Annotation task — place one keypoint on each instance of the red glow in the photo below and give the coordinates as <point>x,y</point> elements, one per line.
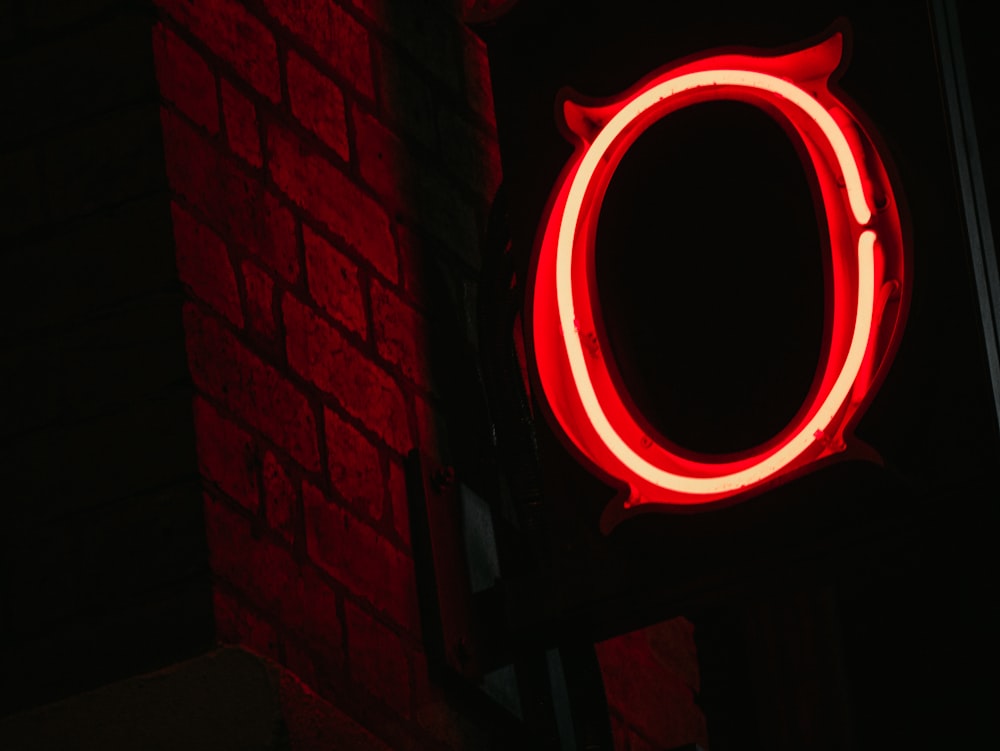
<point>866,293</point>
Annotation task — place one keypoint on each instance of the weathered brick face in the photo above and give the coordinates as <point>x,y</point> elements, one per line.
<point>306,346</point>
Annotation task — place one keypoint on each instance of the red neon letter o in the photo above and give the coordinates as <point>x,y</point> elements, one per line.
<point>867,287</point>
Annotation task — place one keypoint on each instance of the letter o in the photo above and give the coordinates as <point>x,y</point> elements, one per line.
<point>867,282</point>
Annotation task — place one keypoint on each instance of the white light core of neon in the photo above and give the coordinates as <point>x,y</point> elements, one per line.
<point>840,390</point>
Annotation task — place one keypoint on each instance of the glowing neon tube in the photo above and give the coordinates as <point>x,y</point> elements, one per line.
<point>869,256</point>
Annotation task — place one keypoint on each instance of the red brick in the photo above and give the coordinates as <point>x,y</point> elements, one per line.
<point>333,282</point>
<point>385,161</point>
<point>378,659</point>
<point>331,197</point>
<point>323,627</point>
<point>232,33</point>
<point>322,355</point>
<point>257,393</point>
<point>269,578</point>
<point>318,104</point>
<point>236,624</point>
<point>334,35</point>
<point>400,334</point>
<point>260,298</point>
<point>400,500</point>
<point>355,466</point>
<point>226,454</point>
<point>185,79</point>
<point>359,557</point>
<point>241,125</point>
<point>277,244</point>
<point>236,205</point>
<point>204,266</point>
<point>280,497</point>
<point>197,171</point>
<point>263,571</point>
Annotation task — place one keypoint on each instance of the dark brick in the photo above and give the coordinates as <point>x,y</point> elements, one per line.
<point>203,264</point>
<point>322,355</point>
<point>354,465</point>
<point>253,390</point>
<point>238,624</point>
<point>405,97</point>
<point>331,197</point>
<point>415,188</point>
<point>322,628</point>
<point>318,104</point>
<point>20,192</point>
<point>378,659</point>
<point>672,644</point>
<point>399,497</point>
<point>415,255</point>
<point>619,732</point>
<point>280,497</point>
<point>227,456</point>
<point>242,129</point>
<point>334,35</point>
<point>185,79</point>
<point>263,571</point>
<point>432,430</point>
<point>199,173</point>
<point>477,87</point>
<point>470,154</point>
<point>260,298</point>
<point>238,37</point>
<point>356,555</point>
<point>333,282</point>
<point>668,716</point>
<point>111,159</point>
<point>270,579</point>
<point>277,244</point>
<point>637,742</point>
<point>400,334</point>
<point>425,28</point>
<point>236,205</point>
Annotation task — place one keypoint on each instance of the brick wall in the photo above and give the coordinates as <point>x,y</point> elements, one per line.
<point>329,163</point>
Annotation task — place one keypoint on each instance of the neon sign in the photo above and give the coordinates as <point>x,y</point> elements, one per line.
<point>867,282</point>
